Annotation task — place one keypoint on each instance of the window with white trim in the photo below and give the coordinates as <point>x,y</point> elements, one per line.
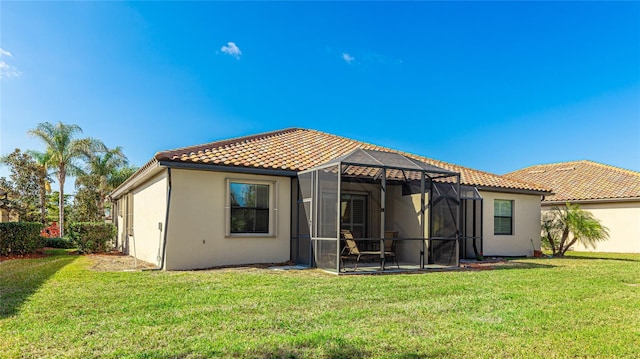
<point>502,217</point>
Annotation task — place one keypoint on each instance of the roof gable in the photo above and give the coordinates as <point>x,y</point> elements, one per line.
<point>298,149</point>
<point>582,180</point>
<point>391,160</point>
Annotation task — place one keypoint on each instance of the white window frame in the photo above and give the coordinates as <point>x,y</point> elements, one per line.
<point>273,208</point>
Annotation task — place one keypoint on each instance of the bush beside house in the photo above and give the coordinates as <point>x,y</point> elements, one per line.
<point>90,237</point>
<point>20,237</point>
<point>57,242</point>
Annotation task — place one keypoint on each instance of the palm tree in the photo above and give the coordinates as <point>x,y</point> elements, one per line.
<point>562,227</point>
<point>121,175</point>
<point>64,150</point>
<point>103,168</point>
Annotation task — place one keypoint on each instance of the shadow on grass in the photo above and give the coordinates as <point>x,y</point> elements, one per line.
<point>20,278</point>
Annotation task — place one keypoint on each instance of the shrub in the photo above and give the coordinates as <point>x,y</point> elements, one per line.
<point>20,237</point>
<point>53,231</point>
<point>92,237</point>
<point>58,243</point>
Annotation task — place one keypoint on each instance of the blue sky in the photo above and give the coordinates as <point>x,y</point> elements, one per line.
<point>495,86</point>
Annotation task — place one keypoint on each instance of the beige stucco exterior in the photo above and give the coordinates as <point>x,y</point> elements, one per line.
<point>149,213</point>
<point>6,216</point>
<point>148,216</point>
<point>198,216</point>
<point>403,216</point>
<point>526,225</point>
<point>623,221</point>
<point>198,236</point>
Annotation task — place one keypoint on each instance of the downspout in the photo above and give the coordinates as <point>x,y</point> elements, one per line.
<point>166,223</point>
<point>383,205</point>
<point>422,219</point>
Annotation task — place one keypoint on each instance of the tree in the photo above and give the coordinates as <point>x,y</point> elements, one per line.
<point>53,207</point>
<point>8,202</point>
<point>564,226</point>
<point>42,159</point>
<point>102,174</point>
<point>85,203</point>
<point>64,151</point>
<point>122,174</point>
<point>104,171</point>
<point>27,186</point>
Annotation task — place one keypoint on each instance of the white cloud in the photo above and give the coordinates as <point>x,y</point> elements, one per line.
<point>347,58</point>
<point>231,49</point>
<point>4,52</point>
<point>7,70</point>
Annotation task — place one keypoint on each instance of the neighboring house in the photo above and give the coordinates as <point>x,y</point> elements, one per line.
<point>286,195</point>
<point>6,213</point>
<point>612,194</point>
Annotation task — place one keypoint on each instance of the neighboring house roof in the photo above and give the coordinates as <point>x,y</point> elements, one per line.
<point>292,150</point>
<point>582,181</point>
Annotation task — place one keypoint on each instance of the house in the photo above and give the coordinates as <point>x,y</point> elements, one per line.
<point>289,194</point>
<point>612,194</point>
<point>7,212</point>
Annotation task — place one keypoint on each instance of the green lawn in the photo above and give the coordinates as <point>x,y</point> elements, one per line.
<point>587,305</point>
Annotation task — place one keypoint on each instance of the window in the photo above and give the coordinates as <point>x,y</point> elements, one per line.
<point>502,217</point>
<point>249,203</point>
<point>353,213</point>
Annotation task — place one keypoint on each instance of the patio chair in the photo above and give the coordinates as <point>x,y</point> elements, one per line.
<point>351,250</point>
<point>390,247</point>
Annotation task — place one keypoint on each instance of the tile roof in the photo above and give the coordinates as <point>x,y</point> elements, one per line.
<point>582,180</point>
<point>298,149</point>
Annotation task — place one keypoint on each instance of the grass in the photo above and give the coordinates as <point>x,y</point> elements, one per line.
<point>586,305</point>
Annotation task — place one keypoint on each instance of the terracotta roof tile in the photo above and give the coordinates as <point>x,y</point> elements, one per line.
<point>301,149</point>
<point>582,180</point>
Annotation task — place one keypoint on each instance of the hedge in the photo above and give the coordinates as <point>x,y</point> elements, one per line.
<point>57,242</point>
<point>20,237</point>
<point>92,237</point>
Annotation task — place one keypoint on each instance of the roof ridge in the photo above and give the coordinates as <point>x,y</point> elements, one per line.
<point>389,149</point>
<point>543,165</point>
<point>220,143</point>
<point>440,163</point>
<point>611,166</point>
<point>534,184</point>
<point>565,163</point>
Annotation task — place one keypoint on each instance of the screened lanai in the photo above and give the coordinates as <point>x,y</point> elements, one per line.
<point>402,213</point>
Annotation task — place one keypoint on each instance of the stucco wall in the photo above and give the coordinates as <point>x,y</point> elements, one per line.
<point>526,225</point>
<point>402,215</point>
<point>120,228</point>
<point>405,220</point>
<point>623,221</point>
<point>197,222</point>
<point>149,205</point>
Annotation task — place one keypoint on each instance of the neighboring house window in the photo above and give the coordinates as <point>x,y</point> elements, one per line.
<point>249,204</point>
<point>502,216</point>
